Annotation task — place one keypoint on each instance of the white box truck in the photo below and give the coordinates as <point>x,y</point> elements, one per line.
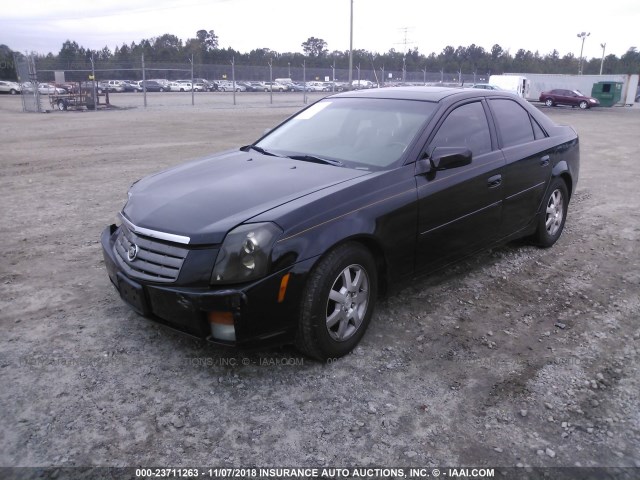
<point>511,83</point>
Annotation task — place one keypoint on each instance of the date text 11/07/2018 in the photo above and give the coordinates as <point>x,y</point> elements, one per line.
<point>294,473</point>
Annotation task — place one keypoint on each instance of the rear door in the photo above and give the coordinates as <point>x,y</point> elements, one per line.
<point>527,152</point>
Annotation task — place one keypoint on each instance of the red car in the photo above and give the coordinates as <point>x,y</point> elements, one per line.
<point>575,98</point>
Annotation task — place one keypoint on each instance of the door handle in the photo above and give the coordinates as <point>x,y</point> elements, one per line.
<point>494,181</point>
<point>544,161</point>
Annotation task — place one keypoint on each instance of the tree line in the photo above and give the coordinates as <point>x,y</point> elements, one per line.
<point>204,49</point>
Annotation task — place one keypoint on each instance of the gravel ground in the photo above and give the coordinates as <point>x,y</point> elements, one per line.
<point>516,357</point>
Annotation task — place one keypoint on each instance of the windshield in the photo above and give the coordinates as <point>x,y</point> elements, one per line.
<point>578,92</point>
<point>365,133</point>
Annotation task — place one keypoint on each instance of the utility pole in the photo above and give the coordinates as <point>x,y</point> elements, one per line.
<point>233,77</point>
<point>271,80</point>
<point>333,76</point>
<point>582,35</point>
<point>405,42</point>
<point>193,89</point>
<point>144,83</point>
<point>604,46</point>
<point>304,81</point>
<point>350,48</point>
<point>95,89</point>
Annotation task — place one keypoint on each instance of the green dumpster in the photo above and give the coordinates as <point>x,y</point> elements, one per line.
<point>608,93</point>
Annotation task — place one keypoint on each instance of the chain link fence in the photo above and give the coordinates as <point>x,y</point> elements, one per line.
<point>27,77</point>
<point>43,70</point>
<point>75,71</point>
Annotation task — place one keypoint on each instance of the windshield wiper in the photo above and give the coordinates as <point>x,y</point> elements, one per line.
<point>315,159</point>
<point>246,148</point>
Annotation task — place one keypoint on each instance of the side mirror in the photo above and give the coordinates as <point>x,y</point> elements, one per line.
<point>444,158</point>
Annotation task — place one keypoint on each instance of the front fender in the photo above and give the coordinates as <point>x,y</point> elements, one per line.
<point>379,211</point>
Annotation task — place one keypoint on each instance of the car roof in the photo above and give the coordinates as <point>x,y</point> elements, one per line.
<point>425,94</point>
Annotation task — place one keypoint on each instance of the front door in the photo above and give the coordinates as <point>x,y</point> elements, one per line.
<point>459,209</point>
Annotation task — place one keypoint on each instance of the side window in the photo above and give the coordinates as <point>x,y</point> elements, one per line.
<point>513,122</point>
<point>537,131</point>
<point>466,126</point>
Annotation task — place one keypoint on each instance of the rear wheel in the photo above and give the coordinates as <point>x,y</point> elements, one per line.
<point>338,302</point>
<point>62,105</point>
<point>554,215</point>
<point>548,102</point>
<point>583,105</point>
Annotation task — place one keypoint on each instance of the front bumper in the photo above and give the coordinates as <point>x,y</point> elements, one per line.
<point>259,317</point>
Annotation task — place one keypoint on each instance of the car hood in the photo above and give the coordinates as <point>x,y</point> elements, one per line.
<point>205,199</point>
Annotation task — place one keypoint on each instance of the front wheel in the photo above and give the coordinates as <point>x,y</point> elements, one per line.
<point>338,302</point>
<point>548,102</point>
<point>583,105</point>
<point>552,219</point>
<point>62,105</point>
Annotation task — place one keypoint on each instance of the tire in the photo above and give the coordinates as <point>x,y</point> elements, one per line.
<point>583,105</point>
<point>554,214</point>
<point>548,102</point>
<point>13,91</point>
<point>62,105</point>
<point>161,89</point>
<point>337,302</point>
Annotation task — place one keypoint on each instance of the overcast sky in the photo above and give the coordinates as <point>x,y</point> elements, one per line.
<point>282,25</point>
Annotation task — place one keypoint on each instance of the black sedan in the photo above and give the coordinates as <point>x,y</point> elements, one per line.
<point>573,98</point>
<point>152,86</point>
<point>292,239</point>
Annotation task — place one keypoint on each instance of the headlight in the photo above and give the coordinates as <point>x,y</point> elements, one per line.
<point>245,253</point>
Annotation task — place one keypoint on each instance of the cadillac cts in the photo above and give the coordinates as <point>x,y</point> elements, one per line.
<point>293,238</point>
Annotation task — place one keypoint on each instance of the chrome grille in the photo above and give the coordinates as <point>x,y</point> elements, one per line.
<point>154,261</point>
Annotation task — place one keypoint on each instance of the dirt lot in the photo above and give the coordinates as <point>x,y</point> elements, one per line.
<point>516,357</point>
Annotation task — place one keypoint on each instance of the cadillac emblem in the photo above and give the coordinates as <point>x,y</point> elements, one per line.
<point>133,252</point>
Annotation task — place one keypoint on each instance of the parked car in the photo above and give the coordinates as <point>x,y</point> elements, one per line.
<point>153,86</point>
<point>206,86</point>
<point>251,86</point>
<point>162,81</point>
<point>10,87</point>
<point>298,87</point>
<point>575,98</point>
<point>112,86</point>
<point>315,87</point>
<point>131,86</point>
<point>199,87</point>
<point>48,89</point>
<point>180,87</point>
<point>360,84</point>
<point>227,86</point>
<point>273,86</point>
<point>293,237</point>
<point>486,86</point>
